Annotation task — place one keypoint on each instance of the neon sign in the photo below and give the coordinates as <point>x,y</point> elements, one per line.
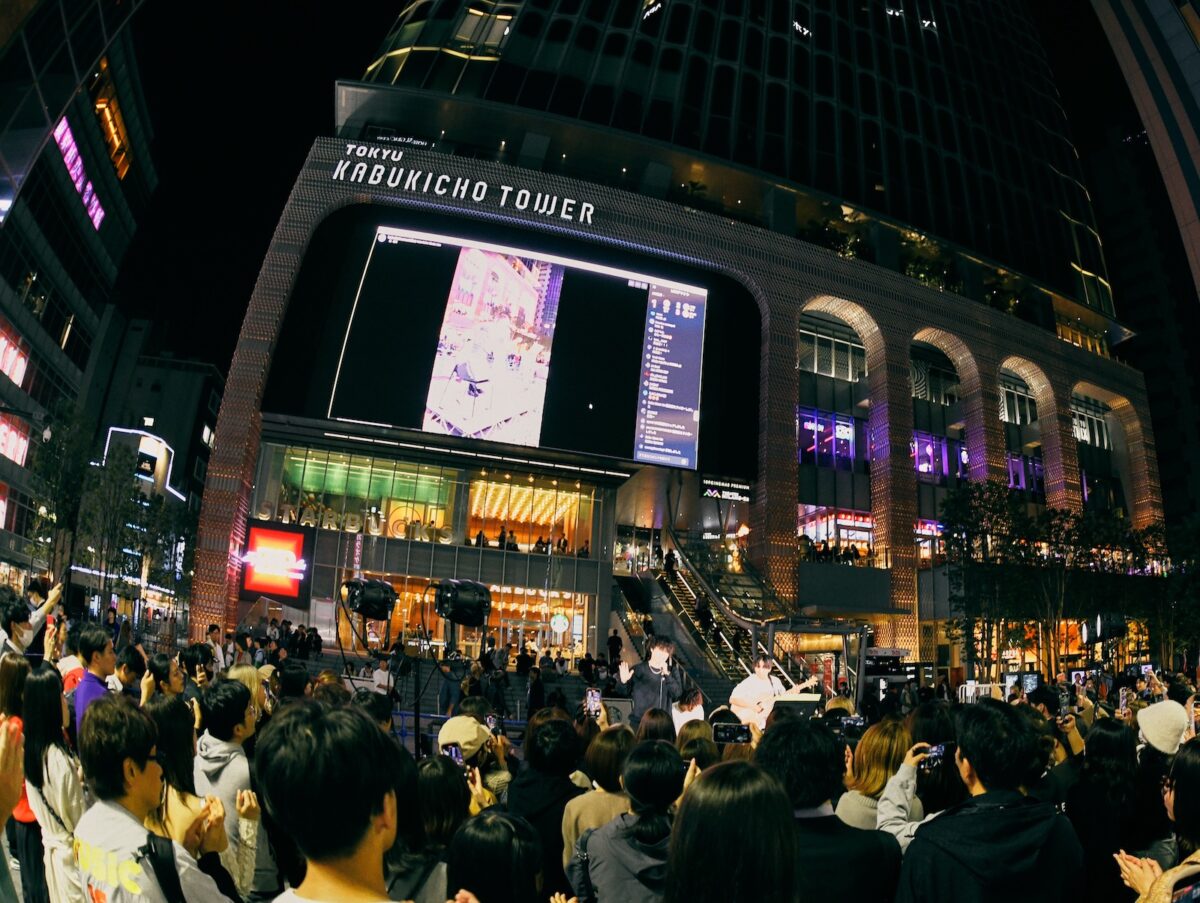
<point>74,163</point>
<point>276,562</point>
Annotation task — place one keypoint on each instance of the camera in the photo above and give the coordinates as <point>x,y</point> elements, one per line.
<point>493,724</point>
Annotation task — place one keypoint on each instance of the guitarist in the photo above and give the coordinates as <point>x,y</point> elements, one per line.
<point>753,699</point>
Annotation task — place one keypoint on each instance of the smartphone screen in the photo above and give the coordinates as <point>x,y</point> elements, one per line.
<point>1124,698</point>
<point>592,702</point>
<point>731,733</point>
<point>493,724</point>
<point>454,752</point>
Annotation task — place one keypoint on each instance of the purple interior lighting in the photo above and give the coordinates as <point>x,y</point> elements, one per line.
<point>74,163</point>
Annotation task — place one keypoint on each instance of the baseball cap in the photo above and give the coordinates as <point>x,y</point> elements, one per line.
<point>469,734</point>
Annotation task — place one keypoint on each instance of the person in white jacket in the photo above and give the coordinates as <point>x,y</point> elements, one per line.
<point>900,812</point>
<point>52,781</point>
<point>118,749</point>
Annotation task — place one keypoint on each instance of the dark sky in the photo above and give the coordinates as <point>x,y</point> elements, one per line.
<point>218,78</point>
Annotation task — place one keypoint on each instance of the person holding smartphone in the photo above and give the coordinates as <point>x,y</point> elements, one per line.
<point>652,684</point>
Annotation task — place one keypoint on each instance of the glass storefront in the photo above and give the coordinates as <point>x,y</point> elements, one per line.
<point>834,534</point>
<point>413,523</point>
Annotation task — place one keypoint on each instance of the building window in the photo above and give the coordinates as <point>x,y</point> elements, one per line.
<point>108,114</point>
<point>830,440</point>
<point>201,470</point>
<point>1016,404</point>
<point>836,535</point>
<point>830,353</point>
<point>1025,474</point>
<point>1089,423</point>
<point>206,435</point>
<point>14,440</point>
<point>937,458</point>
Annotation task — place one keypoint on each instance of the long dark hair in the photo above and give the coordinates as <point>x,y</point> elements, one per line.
<point>1185,780</point>
<point>14,669</point>
<point>736,817</point>
<point>1110,761</point>
<point>443,797</point>
<point>653,777</point>
<point>43,717</point>
<point>176,740</point>
<point>941,787</point>
<point>497,857</point>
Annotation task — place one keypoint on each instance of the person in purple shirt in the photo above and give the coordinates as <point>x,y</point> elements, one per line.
<point>99,660</point>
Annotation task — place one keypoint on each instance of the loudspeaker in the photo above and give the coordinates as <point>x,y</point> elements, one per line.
<point>463,602</point>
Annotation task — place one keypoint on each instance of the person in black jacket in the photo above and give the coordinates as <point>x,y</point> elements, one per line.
<point>540,793</point>
<point>998,845</point>
<point>834,860</point>
<point>652,684</point>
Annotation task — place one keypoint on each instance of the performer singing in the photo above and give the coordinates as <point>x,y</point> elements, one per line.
<point>652,684</point>
<point>753,699</point>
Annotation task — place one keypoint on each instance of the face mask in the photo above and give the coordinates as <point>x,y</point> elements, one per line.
<point>23,638</point>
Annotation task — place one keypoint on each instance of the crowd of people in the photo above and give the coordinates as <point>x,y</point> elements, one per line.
<point>203,777</point>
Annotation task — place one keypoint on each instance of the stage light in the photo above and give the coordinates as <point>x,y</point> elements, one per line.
<point>463,602</point>
<point>373,599</point>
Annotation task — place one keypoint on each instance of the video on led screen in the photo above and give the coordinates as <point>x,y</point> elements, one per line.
<point>493,352</point>
<point>499,339</point>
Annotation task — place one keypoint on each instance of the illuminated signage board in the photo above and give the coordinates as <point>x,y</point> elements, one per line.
<point>74,163</point>
<point>277,562</point>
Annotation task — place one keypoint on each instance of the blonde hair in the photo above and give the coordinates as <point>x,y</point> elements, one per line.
<point>845,703</point>
<point>879,755</point>
<point>248,677</point>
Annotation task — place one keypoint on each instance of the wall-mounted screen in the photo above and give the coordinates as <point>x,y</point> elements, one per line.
<point>488,333</point>
<point>493,335</point>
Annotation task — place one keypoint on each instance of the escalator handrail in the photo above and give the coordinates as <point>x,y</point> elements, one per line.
<point>714,596</point>
<point>684,615</point>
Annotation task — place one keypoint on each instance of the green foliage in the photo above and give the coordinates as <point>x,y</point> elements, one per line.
<point>1016,572</point>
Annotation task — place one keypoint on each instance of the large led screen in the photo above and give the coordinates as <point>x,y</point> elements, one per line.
<point>493,336</point>
<point>277,563</point>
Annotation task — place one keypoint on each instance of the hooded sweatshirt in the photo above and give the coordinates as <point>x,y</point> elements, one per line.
<point>222,770</point>
<point>999,846</point>
<point>540,799</point>
<point>619,867</point>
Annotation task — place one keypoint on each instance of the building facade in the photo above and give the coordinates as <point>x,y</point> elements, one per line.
<point>893,344</point>
<point>75,176</point>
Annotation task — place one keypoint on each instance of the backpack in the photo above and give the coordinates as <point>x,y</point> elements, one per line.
<point>160,853</point>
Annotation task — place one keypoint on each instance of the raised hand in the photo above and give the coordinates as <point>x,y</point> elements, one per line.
<point>626,672</point>
<point>917,754</point>
<point>247,805</point>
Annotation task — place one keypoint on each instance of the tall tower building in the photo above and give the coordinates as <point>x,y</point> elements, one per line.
<point>813,265</point>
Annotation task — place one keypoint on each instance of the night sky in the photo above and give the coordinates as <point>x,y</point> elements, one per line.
<point>238,75</point>
<point>260,74</point>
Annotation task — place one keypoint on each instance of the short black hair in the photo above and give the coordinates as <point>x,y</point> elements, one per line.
<point>293,678</point>
<point>997,742</point>
<point>13,611</point>
<point>606,755</point>
<point>113,730</point>
<point>806,758</point>
<point>212,627</point>
<point>160,667</point>
<point>496,854</point>
<point>71,643</point>
<point>377,705</point>
<point>325,773</point>
<point>92,639</point>
<point>1047,697</point>
<point>554,748</point>
<point>190,657</point>
<point>130,658</point>
<point>224,707</point>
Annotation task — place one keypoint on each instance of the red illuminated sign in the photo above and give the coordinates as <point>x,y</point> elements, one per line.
<point>277,562</point>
